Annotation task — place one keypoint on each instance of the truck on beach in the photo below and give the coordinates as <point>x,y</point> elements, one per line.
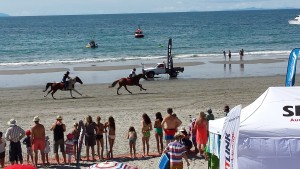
<point>164,68</point>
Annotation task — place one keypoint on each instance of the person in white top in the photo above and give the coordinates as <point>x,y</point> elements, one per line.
<point>14,134</point>
<point>132,74</point>
<point>2,150</point>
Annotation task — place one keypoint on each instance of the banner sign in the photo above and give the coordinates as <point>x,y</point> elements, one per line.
<point>229,139</point>
<point>291,69</point>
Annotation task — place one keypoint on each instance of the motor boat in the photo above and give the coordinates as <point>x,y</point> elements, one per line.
<point>295,21</point>
<point>138,33</point>
<point>92,44</point>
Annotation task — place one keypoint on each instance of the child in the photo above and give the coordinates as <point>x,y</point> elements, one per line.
<point>76,134</point>
<point>69,147</point>
<point>186,140</point>
<point>158,132</point>
<point>2,150</point>
<point>47,149</point>
<point>111,135</point>
<point>27,142</point>
<point>132,136</point>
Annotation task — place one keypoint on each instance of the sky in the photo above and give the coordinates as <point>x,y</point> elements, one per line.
<point>78,7</point>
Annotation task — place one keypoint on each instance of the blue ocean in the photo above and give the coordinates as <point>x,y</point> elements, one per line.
<point>41,40</point>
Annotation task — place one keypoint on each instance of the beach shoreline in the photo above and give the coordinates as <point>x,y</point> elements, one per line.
<point>187,97</point>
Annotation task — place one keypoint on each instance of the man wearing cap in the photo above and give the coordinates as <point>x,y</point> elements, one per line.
<point>210,116</point>
<point>14,134</point>
<point>58,129</point>
<point>38,139</point>
<point>177,151</point>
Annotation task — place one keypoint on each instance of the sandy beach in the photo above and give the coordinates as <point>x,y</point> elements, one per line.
<point>187,97</point>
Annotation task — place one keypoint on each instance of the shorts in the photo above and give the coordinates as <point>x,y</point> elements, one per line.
<point>38,144</point>
<point>15,151</point>
<point>29,151</point>
<point>99,136</point>
<point>61,144</point>
<point>176,166</point>
<point>2,155</point>
<point>169,134</point>
<point>90,140</point>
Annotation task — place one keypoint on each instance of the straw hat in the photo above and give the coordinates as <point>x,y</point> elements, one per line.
<point>182,129</point>
<point>12,122</point>
<point>36,118</point>
<point>178,136</point>
<point>59,117</point>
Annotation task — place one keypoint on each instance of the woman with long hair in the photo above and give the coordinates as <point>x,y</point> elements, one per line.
<point>111,134</point>
<point>201,132</point>
<point>158,132</point>
<point>146,128</point>
<point>90,136</point>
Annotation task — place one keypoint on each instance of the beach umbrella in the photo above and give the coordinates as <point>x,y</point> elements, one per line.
<point>20,166</point>
<point>111,165</point>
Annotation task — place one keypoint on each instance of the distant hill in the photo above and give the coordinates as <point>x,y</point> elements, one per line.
<point>3,15</point>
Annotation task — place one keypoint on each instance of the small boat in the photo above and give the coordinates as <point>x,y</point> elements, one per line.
<point>92,44</point>
<point>295,21</point>
<point>138,33</point>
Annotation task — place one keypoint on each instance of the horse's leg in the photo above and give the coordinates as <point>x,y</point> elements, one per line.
<point>53,93</point>
<point>77,92</point>
<point>127,89</point>
<point>48,93</point>
<point>141,87</point>
<point>119,89</point>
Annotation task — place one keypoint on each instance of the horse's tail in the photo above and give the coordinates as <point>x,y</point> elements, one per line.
<point>47,86</point>
<point>113,84</point>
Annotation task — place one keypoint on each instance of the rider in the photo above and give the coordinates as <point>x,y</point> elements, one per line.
<point>64,79</point>
<point>132,74</point>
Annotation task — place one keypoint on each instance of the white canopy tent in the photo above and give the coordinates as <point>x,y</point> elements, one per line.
<point>269,138</point>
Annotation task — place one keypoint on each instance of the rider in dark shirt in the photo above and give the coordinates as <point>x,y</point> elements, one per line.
<point>64,79</point>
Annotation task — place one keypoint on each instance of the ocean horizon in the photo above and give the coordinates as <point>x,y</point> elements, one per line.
<point>41,42</point>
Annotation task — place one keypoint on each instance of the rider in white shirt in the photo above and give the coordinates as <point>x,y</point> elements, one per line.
<point>132,74</point>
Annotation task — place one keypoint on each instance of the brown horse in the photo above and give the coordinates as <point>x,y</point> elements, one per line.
<point>60,86</point>
<point>135,81</point>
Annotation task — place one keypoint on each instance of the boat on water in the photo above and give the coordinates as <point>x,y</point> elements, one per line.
<point>92,44</point>
<point>138,33</point>
<point>295,21</point>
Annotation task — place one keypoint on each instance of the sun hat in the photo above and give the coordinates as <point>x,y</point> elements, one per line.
<point>178,135</point>
<point>59,117</point>
<point>182,129</point>
<point>12,122</point>
<point>36,118</point>
<point>28,132</point>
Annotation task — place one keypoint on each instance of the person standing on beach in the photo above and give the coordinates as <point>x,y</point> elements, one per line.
<point>226,110</point>
<point>146,128</point>
<point>14,134</point>
<point>58,129</point>
<point>38,140</point>
<point>192,132</point>
<point>224,53</point>
<point>177,151</point>
<point>90,136</point>
<point>2,150</point>
<point>229,54</point>
<point>132,136</point>
<point>28,143</point>
<point>170,124</point>
<point>158,132</point>
<point>111,134</point>
<point>201,127</point>
<point>210,115</point>
<point>75,133</point>
<point>99,138</point>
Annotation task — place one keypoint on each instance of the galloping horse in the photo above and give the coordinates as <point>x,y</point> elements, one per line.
<point>134,81</point>
<point>60,86</point>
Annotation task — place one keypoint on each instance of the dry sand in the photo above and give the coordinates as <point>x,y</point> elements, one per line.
<point>186,97</point>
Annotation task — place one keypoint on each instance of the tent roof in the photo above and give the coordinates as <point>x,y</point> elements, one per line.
<point>264,117</point>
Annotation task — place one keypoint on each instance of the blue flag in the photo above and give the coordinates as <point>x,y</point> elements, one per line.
<point>291,69</point>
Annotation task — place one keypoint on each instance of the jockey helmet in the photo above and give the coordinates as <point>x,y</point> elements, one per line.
<point>134,69</point>
<point>67,73</point>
